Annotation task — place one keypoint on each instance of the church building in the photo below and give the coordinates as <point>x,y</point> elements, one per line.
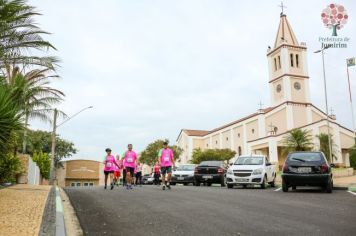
<point>263,132</point>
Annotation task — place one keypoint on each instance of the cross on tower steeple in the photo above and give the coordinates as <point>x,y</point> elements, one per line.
<point>282,7</point>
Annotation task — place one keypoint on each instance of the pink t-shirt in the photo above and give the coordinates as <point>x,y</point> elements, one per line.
<point>117,168</point>
<point>109,163</point>
<point>166,157</point>
<point>130,159</point>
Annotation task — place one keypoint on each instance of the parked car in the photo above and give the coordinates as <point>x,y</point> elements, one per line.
<point>147,179</point>
<point>251,170</point>
<point>307,169</point>
<point>210,172</point>
<point>183,174</point>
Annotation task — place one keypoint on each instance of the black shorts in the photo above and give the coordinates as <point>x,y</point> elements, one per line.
<point>130,170</point>
<point>138,174</point>
<point>108,172</point>
<point>166,170</point>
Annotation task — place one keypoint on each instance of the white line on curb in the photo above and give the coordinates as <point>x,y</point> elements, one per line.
<point>352,192</point>
<point>276,190</point>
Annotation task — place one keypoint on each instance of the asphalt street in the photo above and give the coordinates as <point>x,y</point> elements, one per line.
<point>189,210</point>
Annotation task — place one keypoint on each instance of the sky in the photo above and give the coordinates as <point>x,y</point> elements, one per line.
<point>153,67</point>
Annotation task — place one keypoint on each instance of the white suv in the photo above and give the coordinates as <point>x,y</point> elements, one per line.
<point>251,170</point>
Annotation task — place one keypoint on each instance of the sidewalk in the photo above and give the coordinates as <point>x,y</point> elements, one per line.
<point>21,209</point>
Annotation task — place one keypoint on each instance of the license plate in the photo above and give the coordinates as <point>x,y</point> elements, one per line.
<point>180,178</point>
<point>241,180</point>
<point>207,177</point>
<point>304,170</point>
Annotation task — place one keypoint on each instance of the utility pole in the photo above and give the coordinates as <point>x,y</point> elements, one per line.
<point>53,150</point>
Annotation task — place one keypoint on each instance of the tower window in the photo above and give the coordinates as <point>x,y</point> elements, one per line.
<point>291,60</point>
<point>239,151</point>
<point>253,131</point>
<point>279,62</point>
<point>227,139</point>
<point>297,60</point>
<point>275,64</point>
<point>238,135</point>
<point>216,142</point>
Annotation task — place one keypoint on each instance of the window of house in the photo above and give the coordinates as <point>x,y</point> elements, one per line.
<point>227,139</point>
<point>239,151</point>
<point>297,60</point>
<point>253,131</point>
<point>87,184</point>
<point>216,142</point>
<point>75,184</point>
<point>279,62</point>
<point>238,135</point>
<point>291,60</point>
<point>275,64</point>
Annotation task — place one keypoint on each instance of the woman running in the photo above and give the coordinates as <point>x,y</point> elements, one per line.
<point>139,173</point>
<point>156,173</point>
<point>109,167</point>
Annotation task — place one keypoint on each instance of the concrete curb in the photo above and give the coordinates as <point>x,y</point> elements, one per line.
<point>60,226</point>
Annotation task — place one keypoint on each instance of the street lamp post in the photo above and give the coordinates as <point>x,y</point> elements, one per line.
<point>53,149</point>
<point>326,102</point>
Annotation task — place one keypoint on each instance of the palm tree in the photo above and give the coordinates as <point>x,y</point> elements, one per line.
<point>297,140</point>
<point>10,118</point>
<point>19,34</point>
<point>324,145</point>
<point>35,98</point>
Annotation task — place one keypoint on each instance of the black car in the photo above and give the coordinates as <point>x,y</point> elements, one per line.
<point>210,172</point>
<point>307,169</point>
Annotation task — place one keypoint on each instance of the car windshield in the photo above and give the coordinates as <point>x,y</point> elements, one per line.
<point>211,163</point>
<point>305,157</point>
<point>186,168</point>
<point>249,161</point>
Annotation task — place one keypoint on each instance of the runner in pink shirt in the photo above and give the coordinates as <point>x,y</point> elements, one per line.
<point>117,170</point>
<point>166,159</point>
<point>109,167</point>
<point>130,158</point>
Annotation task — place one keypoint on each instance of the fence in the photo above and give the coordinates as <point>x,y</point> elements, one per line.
<point>34,175</point>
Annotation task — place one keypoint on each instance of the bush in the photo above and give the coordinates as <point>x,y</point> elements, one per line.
<point>10,166</point>
<point>353,158</point>
<point>43,162</point>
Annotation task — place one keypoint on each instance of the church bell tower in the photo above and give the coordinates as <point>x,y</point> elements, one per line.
<point>287,62</point>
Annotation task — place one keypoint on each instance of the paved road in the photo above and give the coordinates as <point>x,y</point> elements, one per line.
<point>188,210</point>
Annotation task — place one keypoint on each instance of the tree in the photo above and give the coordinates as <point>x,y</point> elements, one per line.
<point>297,140</point>
<point>43,162</point>
<point>19,34</point>
<point>10,120</point>
<point>352,155</point>
<point>212,155</point>
<point>324,145</point>
<point>334,17</point>
<point>149,155</point>
<point>40,141</point>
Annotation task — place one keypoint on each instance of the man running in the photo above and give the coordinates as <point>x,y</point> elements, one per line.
<point>109,167</point>
<point>130,158</point>
<point>167,162</point>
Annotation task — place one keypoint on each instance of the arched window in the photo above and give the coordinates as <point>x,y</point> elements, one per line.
<point>275,64</point>
<point>291,60</point>
<point>279,62</point>
<point>239,151</point>
<point>296,60</point>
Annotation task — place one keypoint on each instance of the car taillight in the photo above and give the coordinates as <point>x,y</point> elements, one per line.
<point>285,168</point>
<point>324,168</point>
<point>220,170</point>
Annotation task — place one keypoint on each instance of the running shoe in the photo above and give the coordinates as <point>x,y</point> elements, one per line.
<point>164,187</point>
<point>105,187</point>
<point>112,186</point>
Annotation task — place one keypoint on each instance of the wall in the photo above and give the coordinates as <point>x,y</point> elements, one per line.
<point>277,119</point>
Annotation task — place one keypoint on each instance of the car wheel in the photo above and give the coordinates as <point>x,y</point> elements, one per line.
<point>244,185</point>
<point>173,183</point>
<point>223,182</point>
<point>230,186</point>
<point>197,183</point>
<point>208,184</point>
<point>284,186</point>
<point>294,187</point>
<point>185,184</point>
<point>263,185</point>
<point>329,187</point>
<point>273,183</point>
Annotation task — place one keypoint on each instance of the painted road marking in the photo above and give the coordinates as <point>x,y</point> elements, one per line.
<point>352,192</point>
<point>276,190</point>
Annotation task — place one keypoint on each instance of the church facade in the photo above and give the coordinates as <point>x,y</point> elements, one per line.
<point>263,132</point>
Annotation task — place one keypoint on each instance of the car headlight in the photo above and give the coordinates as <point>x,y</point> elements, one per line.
<point>230,172</point>
<point>257,171</point>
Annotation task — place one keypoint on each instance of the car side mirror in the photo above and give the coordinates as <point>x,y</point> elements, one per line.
<point>332,165</point>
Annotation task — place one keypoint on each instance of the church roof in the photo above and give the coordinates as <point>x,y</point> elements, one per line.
<point>191,132</point>
<point>285,34</point>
